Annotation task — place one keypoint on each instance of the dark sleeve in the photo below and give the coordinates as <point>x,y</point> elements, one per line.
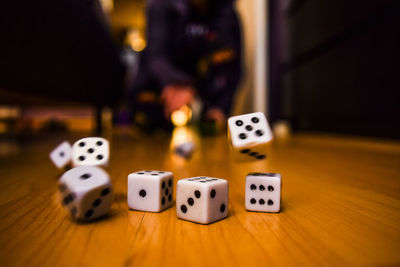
<point>224,79</point>
<point>159,33</point>
<point>226,24</point>
<point>222,85</point>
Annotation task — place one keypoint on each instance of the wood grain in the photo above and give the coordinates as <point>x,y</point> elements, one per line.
<point>341,206</point>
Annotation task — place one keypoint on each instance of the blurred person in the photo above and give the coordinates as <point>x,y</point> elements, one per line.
<point>194,48</point>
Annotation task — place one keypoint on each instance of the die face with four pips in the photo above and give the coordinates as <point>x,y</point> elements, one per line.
<point>263,192</point>
<point>86,192</point>
<point>90,151</point>
<point>150,190</point>
<point>202,199</point>
<point>249,136</point>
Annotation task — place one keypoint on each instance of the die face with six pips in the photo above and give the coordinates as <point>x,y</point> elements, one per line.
<point>263,192</point>
<point>150,190</point>
<point>202,199</point>
<point>249,136</point>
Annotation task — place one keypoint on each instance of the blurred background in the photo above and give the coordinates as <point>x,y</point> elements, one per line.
<point>320,66</point>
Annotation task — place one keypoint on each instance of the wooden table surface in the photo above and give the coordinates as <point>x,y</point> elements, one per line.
<point>340,197</point>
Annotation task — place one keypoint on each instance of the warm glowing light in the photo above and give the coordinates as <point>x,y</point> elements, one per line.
<point>181,135</point>
<point>138,44</point>
<point>3,127</point>
<point>107,5</point>
<point>136,40</point>
<point>222,56</point>
<point>9,112</point>
<point>181,116</point>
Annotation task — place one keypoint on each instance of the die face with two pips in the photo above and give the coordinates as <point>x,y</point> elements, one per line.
<point>202,199</point>
<point>249,136</point>
<point>150,190</point>
<point>86,192</point>
<point>263,192</point>
<point>90,151</point>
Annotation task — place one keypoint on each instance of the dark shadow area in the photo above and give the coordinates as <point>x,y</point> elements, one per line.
<point>110,215</point>
<point>120,197</point>
<point>60,51</point>
<point>334,66</point>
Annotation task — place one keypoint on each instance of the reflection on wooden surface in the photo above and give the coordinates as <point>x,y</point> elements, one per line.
<point>340,206</point>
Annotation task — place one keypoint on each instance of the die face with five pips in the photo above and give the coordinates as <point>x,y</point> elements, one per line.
<point>249,136</point>
<point>90,151</point>
<point>263,192</point>
<point>150,190</point>
<point>202,199</point>
<point>86,192</point>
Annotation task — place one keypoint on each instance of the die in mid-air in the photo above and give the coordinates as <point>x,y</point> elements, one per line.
<point>263,192</point>
<point>61,155</point>
<point>86,192</point>
<point>185,150</point>
<point>150,190</point>
<point>90,151</point>
<point>202,199</point>
<point>249,136</point>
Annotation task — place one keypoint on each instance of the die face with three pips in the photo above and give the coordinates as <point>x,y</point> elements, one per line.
<point>202,199</point>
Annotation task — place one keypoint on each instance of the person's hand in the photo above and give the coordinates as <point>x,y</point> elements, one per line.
<point>176,96</point>
<point>218,116</point>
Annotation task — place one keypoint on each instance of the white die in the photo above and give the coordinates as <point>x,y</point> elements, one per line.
<point>61,155</point>
<point>185,150</point>
<point>90,151</point>
<point>202,199</point>
<point>249,136</point>
<point>263,192</point>
<point>86,192</point>
<point>150,190</point>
